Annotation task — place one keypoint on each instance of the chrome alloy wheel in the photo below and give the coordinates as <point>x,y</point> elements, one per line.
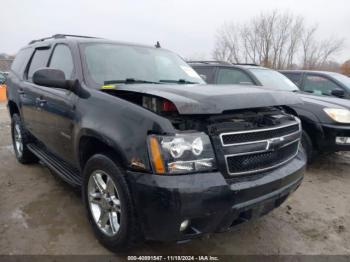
<point>18,139</point>
<point>104,202</point>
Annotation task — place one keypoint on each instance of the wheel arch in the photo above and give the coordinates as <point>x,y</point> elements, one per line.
<point>90,145</point>
<point>291,111</point>
<point>313,130</point>
<point>13,108</point>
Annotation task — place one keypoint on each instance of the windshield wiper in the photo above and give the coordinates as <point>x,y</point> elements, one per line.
<point>179,81</point>
<point>129,81</point>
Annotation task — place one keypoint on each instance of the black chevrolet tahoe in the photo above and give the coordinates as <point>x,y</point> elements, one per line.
<point>158,154</point>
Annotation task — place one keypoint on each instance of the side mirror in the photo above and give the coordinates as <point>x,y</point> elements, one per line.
<point>51,78</point>
<point>338,93</point>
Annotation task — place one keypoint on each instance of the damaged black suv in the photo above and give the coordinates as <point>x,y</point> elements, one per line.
<point>158,154</point>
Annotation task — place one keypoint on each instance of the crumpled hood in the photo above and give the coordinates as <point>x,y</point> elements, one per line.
<point>213,99</point>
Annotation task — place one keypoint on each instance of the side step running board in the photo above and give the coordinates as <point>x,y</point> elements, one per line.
<point>64,170</point>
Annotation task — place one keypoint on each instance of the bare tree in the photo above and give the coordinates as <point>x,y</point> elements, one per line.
<point>275,40</point>
<point>345,68</point>
<point>317,53</point>
<point>280,34</point>
<point>266,23</point>
<point>251,45</point>
<point>309,48</point>
<point>227,44</point>
<point>296,32</point>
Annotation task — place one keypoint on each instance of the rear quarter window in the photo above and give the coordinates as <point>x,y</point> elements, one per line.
<point>21,60</point>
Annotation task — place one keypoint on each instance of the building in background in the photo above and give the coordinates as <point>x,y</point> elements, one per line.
<point>5,65</point>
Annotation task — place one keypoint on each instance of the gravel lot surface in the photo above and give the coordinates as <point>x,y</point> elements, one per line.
<point>40,214</point>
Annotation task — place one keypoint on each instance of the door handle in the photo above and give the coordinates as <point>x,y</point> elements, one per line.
<point>21,92</point>
<point>41,102</point>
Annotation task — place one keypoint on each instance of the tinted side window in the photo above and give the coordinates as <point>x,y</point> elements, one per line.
<point>206,73</point>
<point>295,78</point>
<point>21,60</point>
<point>39,60</point>
<point>319,85</point>
<point>233,76</point>
<point>62,59</point>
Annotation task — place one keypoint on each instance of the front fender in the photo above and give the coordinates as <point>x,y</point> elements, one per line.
<point>120,124</point>
<point>311,124</point>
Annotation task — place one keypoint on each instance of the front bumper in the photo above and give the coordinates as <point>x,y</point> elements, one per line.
<point>211,202</point>
<point>330,132</point>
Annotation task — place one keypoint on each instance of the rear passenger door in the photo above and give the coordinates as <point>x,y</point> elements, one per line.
<point>56,113</point>
<point>16,84</point>
<point>233,76</point>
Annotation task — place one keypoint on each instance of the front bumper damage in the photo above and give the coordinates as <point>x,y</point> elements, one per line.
<point>209,201</point>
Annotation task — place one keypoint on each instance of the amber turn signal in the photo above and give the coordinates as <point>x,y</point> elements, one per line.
<point>156,156</point>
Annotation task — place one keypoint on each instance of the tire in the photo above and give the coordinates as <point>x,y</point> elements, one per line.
<point>308,147</point>
<point>20,139</point>
<point>128,234</point>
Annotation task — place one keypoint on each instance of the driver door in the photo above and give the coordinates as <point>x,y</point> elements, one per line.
<point>56,107</point>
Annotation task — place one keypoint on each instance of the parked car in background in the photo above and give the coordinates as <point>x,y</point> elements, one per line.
<point>325,120</point>
<point>2,78</point>
<point>157,153</point>
<point>320,82</point>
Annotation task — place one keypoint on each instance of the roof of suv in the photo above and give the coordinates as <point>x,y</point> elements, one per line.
<point>78,39</point>
<point>307,71</point>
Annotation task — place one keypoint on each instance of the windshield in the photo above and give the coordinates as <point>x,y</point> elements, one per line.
<point>342,78</point>
<point>273,79</point>
<point>117,62</point>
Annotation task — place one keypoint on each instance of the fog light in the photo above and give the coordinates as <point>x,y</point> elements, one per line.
<point>184,225</point>
<point>342,140</point>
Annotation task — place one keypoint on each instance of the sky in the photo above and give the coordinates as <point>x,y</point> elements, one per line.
<point>187,27</point>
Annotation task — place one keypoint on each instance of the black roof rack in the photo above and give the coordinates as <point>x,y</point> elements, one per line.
<point>210,62</point>
<point>57,36</point>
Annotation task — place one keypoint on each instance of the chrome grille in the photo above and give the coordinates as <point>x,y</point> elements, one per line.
<point>258,135</point>
<point>258,150</point>
<point>259,162</point>
<point>242,137</point>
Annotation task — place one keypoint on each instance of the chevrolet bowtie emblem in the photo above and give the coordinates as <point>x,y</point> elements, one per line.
<point>274,143</point>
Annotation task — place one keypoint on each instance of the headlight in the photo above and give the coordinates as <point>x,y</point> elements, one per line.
<point>338,114</point>
<point>182,153</point>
